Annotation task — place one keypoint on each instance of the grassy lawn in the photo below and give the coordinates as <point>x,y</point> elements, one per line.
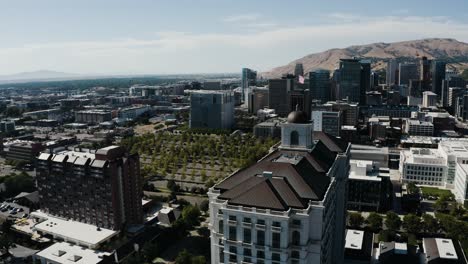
<point>432,191</point>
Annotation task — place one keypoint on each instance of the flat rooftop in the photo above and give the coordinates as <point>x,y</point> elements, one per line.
<point>71,254</point>
<point>73,231</point>
<point>446,248</point>
<point>354,239</point>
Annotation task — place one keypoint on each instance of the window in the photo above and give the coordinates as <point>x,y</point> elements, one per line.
<point>276,243</point>
<point>260,254</point>
<point>275,257</point>
<point>296,238</point>
<point>221,227</point>
<point>295,254</point>
<point>294,138</point>
<point>261,222</point>
<point>233,254</point>
<point>233,233</point>
<point>221,255</point>
<point>247,235</point>
<point>247,220</point>
<point>260,237</point>
<point>232,218</point>
<point>296,222</point>
<point>276,224</point>
<point>247,255</point>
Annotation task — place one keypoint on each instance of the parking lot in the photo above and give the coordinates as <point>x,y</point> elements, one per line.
<point>9,210</point>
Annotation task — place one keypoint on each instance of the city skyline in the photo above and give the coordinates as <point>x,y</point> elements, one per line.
<point>207,36</point>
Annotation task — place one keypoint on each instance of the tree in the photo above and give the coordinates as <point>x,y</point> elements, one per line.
<point>355,220</point>
<point>184,257</point>
<point>442,202</point>
<point>204,206</point>
<point>151,251</point>
<point>190,215</point>
<point>5,243</point>
<point>392,221</point>
<point>430,224</point>
<point>16,183</point>
<point>172,186</point>
<point>412,188</point>
<point>458,211</point>
<point>199,260</point>
<point>136,258</point>
<point>374,221</point>
<point>412,223</point>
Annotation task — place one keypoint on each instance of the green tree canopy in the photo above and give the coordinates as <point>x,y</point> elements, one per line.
<point>412,223</point>
<point>374,221</point>
<point>392,221</point>
<point>430,224</point>
<point>355,220</point>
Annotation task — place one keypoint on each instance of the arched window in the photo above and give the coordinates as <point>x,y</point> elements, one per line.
<point>294,138</point>
<point>296,238</point>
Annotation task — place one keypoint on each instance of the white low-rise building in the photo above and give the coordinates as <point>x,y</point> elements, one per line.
<point>65,253</point>
<point>82,234</point>
<point>423,166</point>
<point>461,183</point>
<point>444,167</point>
<point>419,128</point>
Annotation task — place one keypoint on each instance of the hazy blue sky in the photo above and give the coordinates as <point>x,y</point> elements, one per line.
<point>178,36</point>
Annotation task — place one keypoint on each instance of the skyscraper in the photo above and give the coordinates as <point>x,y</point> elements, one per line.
<point>392,67</point>
<point>212,109</point>
<point>365,80</point>
<point>289,207</point>
<point>278,95</point>
<point>299,70</point>
<point>258,99</point>
<point>354,80</point>
<point>438,75</point>
<point>249,78</point>
<point>299,99</point>
<point>320,85</point>
<point>451,82</point>
<point>425,73</point>
<point>407,71</point>
<point>102,188</point>
<point>374,81</point>
<point>424,69</point>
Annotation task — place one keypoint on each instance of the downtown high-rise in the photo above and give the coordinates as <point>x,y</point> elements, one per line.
<point>101,187</point>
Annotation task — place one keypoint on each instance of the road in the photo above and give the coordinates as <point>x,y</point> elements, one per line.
<point>395,178</point>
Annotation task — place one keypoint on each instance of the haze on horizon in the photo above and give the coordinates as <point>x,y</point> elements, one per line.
<point>208,36</point>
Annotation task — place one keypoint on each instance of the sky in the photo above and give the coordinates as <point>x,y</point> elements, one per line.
<point>206,36</point>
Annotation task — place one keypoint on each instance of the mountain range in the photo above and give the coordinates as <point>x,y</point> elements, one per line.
<point>41,74</point>
<point>454,52</point>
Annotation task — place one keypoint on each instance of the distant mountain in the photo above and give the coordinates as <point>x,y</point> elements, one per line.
<point>38,75</point>
<point>450,50</point>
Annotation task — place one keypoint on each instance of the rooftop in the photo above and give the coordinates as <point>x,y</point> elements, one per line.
<point>71,254</point>
<point>439,248</point>
<point>284,178</point>
<point>354,239</point>
<point>423,156</point>
<point>80,233</point>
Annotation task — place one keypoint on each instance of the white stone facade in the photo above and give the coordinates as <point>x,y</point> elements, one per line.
<point>295,236</point>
